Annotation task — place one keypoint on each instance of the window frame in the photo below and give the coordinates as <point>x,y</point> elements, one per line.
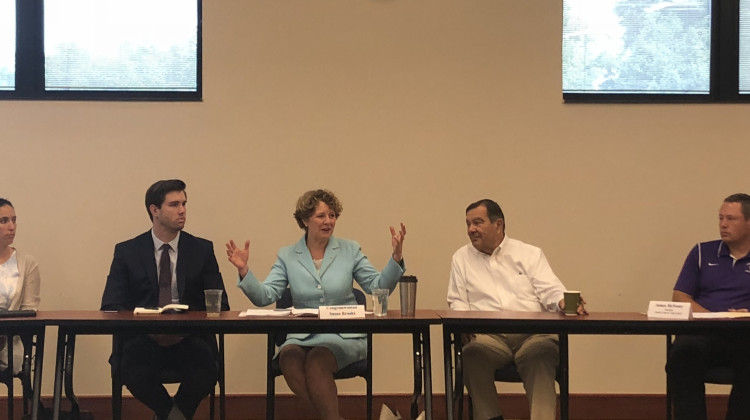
<point>30,70</point>
<point>724,67</point>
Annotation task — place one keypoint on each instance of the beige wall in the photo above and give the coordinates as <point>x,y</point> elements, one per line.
<point>408,110</point>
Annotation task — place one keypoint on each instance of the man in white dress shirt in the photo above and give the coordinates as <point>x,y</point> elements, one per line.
<point>496,273</point>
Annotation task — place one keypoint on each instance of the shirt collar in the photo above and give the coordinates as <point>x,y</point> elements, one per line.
<point>497,250</point>
<point>158,242</point>
<point>723,250</point>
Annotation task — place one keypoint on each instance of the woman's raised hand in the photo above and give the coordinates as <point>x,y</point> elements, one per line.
<point>397,241</point>
<point>238,256</point>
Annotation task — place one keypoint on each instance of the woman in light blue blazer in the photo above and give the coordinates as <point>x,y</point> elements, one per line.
<point>319,270</point>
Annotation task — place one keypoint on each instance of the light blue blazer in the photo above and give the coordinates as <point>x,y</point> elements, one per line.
<point>343,261</point>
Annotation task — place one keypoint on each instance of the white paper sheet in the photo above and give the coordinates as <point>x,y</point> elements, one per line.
<point>717,315</point>
<point>265,312</point>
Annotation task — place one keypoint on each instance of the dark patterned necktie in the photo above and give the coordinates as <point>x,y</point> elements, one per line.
<point>165,277</point>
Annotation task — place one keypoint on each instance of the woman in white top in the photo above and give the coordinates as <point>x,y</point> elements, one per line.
<point>19,281</point>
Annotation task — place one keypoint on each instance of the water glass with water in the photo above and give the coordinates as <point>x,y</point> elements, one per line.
<point>380,302</point>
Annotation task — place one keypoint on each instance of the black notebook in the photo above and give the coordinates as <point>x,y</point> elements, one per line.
<point>13,314</point>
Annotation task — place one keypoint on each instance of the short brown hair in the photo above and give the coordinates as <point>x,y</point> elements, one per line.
<point>308,201</point>
<point>157,193</point>
<point>494,211</point>
<point>744,200</point>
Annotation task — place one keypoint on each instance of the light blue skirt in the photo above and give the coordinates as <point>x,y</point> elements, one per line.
<point>345,350</point>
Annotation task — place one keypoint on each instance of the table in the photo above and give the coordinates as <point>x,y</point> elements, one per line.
<point>611,323</point>
<point>72,323</point>
<point>27,326</point>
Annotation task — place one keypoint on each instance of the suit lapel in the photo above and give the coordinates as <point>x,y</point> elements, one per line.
<point>332,250</point>
<point>184,256</point>
<point>305,259</point>
<point>146,255</point>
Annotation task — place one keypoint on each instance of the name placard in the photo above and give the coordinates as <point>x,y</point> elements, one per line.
<point>669,310</point>
<point>342,311</point>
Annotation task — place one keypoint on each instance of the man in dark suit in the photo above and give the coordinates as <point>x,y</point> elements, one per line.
<point>165,265</point>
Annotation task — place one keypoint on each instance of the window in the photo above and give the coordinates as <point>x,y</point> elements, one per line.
<point>7,45</point>
<point>656,50</point>
<point>745,47</point>
<point>102,49</point>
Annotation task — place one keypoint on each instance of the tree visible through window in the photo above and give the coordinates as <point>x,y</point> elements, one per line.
<point>7,44</point>
<point>100,49</point>
<point>637,46</point>
<point>745,47</point>
<point>120,45</point>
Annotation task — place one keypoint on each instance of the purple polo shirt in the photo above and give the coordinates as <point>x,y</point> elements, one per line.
<point>714,279</point>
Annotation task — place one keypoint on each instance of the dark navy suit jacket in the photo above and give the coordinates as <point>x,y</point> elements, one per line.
<point>132,279</point>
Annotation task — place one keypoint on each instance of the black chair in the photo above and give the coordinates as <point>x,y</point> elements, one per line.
<point>7,376</point>
<point>362,368</point>
<point>507,374</point>
<point>722,375</point>
<point>168,376</point>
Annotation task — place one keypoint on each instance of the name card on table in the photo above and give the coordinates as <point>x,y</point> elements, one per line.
<point>669,310</point>
<point>342,311</point>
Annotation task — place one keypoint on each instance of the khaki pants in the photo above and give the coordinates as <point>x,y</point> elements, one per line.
<point>536,357</point>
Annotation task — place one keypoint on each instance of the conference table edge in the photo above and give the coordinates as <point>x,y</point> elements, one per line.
<point>605,323</point>
<point>72,323</point>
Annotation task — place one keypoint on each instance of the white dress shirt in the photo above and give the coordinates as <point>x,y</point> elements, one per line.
<point>516,277</point>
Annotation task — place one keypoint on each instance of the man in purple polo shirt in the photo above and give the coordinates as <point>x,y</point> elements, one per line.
<point>715,278</point>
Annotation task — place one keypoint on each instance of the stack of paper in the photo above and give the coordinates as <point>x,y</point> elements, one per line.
<point>173,307</point>
<point>265,312</point>
<point>279,312</point>
<point>714,315</point>
<point>305,312</point>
